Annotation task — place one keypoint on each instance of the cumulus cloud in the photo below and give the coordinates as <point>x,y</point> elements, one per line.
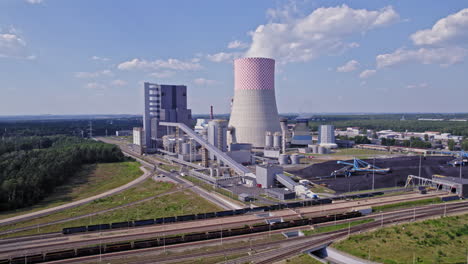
<point>172,64</point>
<point>97,58</point>
<point>95,86</point>
<point>367,73</point>
<point>89,75</point>
<point>417,85</point>
<point>34,1</point>
<point>118,83</point>
<point>223,56</point>
<point>452,29</point>
<point>236,44</point>
<point>203,81</point>
<point>321,32</point>
<point>441,56</point>
<point>350,66</point>
<point>163,74</point>
<point>13,46</point>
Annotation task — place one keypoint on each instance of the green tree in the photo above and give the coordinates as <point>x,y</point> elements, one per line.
<point>451,144</point>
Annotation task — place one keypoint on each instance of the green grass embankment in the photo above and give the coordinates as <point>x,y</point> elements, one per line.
<point>443,240</point>
<point>401,205</point>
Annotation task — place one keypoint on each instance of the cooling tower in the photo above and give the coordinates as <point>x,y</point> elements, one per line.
<point>254,109</point>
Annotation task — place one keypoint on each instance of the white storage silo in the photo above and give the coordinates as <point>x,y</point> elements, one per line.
<point>283,159</point>
<point>277,140</point>
<point>268,140</point>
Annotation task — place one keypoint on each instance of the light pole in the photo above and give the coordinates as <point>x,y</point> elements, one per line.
<point>373,175</point>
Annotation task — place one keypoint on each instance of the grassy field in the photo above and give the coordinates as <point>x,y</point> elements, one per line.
<point>301,259</point>
<point>393,206</point>
<point>143,190</point>
<point>93,179</point>
<point>330,228</point>
<point>179,203</point>
<point>442,240</point>
<point>375,190</point>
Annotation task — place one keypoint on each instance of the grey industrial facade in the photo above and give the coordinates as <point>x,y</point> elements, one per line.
<point>163,103</point>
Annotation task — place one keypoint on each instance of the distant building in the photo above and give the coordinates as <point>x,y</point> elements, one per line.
<point>301,133</point>
<point>138,136</point>
<point>123,133</point>
<point>167,103</point>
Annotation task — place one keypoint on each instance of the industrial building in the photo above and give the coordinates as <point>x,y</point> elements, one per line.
<point>451,184</point>
<point>254,110</point>
<point>163,103</point>
<point>301,133</point>
<point>138,136</point>
<point>217,133</point>
<point>327,136</point>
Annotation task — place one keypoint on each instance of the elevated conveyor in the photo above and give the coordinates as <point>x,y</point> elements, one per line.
<point>228,161</point>
<point>286,181</point>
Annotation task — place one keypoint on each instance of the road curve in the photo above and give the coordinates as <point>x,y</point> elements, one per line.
<point>24,217</point>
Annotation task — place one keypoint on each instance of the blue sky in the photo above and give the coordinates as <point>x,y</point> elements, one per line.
<point>91,57</point>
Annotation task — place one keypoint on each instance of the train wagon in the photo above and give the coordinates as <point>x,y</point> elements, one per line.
<point>171,240</point>
<point>118,247</point>
<point>121,224</point>
<point>89,251</point>
<point>143,222</point>
<point>182,218</point>
<point>210,215</point>
<point>260,228</point>
<point>27,259</point>
<point>98,227</point>
<point>195,237</point>
<point>5,261</point>
<point>146,243</point>
<point>239,231</point>
<point>73,230</point>
<point>170,219</point>
<point>201,216</point>
<point>64,254</point>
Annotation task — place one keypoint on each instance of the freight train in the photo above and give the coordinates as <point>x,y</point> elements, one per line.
<point>177,239</point>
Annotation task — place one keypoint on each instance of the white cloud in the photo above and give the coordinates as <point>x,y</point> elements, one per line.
<point>88,75</point>
<point>350,66</point>
<point>203,81</point>
<point>354,45</point>
<point>118,83</point>
<point>223,56</point>
<point>163,74</point>
<point>321,32</point>
<point>95,86</point>
<point>236,44</point>
<point>97,58</point>
<point>417,85</point>
<point>367,73</point>
<point>452,29</point>
<point>441,56</point>
<point>34,1</point>
<point>172,64</point>
<point>12,46</point>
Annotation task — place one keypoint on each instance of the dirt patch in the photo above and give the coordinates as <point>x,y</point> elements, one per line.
<point>400,167</point>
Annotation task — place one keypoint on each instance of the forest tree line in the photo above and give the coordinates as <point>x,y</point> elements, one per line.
<point>32,167</point>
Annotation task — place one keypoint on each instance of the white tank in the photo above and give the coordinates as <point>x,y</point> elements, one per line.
<point>315,149</point>
<point>295,159</point>
<point>254,110</point>
<point>283,159</point>
<point>268,140</point>
<point>277,140</point>
<point>185,148</point>
<point>322,150</point>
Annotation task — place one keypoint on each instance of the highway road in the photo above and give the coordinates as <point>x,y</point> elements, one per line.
<point>146,174</point>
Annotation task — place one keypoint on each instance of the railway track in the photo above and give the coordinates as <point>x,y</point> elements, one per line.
<point>143,233</point>
<point>266,255</point>
<point>408,213</point>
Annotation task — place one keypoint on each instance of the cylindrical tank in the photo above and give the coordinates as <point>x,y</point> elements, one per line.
<point>295,159</point>
<point>283,159</point>
<point>277,140</point>
<point>322,150</point>
<point>268,140</point>
<point>315,149</point>
<point>185,148</point>
<point>254,110</point>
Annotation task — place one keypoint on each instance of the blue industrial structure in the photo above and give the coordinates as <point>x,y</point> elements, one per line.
<point>358,166</point>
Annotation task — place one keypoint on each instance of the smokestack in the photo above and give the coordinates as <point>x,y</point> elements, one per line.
<point>211,112</point>
<point>254,110</point>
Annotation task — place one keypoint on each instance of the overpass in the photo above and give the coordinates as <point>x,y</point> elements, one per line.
<point>221,156</point>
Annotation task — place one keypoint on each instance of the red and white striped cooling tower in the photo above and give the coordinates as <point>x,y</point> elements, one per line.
<point>254,110</point>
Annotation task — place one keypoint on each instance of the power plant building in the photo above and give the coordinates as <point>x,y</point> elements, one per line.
<point>163,103</point>
<point>301,133</point>
<point>327,136</point>
<point>217,133</point>
<point>254,110</point>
